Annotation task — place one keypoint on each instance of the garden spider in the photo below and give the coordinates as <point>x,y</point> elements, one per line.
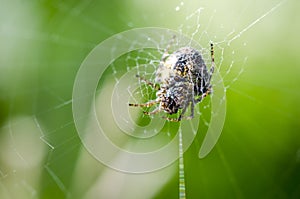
<point>182,80</point>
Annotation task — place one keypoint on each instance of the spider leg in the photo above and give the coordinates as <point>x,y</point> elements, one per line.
<point>212,68</point>
<point>171,119</point>
<point>147,104</point>
<point>203,96</point>
<point>154,86</point>
<point>157,110</point>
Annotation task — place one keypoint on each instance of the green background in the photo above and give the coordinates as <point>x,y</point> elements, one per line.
<point>43,43</point>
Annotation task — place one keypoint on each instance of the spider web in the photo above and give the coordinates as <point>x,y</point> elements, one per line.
<point>54,143</point>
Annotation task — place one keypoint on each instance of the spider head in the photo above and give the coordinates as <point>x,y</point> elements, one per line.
<point>170,105</point>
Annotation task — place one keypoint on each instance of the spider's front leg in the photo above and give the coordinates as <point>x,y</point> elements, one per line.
<point>171,119</point>
<point>157,110</point>
<point>147,104</point>
<point>202,96</point>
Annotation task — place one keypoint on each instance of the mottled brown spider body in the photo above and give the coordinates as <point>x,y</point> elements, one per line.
<point>183,80</point>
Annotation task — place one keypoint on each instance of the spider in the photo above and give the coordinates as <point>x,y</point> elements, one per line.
<point>182,80</point>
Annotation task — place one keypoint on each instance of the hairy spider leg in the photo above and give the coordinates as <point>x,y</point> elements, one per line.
<point>147,104</point>
<point>202,96</point>
<point>157,110</point>
<point>153,85</point>
<point>212,68</point>
<point>170,119</point>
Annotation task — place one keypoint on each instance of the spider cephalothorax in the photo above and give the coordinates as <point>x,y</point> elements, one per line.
<point>183,80</point>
